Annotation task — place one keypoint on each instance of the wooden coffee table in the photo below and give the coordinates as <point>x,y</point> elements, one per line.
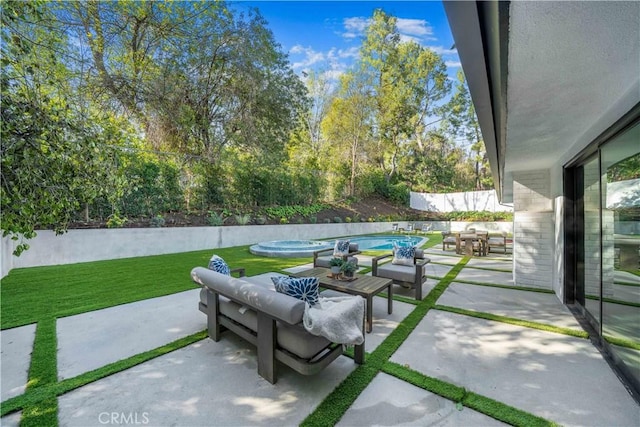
<point>364,286</point>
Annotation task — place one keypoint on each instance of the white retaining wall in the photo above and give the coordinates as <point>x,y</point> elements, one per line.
<point>458,202</point>
<point>101,244</point>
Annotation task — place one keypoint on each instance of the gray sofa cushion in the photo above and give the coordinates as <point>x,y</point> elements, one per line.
<point>279,306</point>
<point>293,338</point>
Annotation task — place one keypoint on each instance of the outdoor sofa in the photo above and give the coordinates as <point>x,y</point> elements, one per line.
<point>272,321</point>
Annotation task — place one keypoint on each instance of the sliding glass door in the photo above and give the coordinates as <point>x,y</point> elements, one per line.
<point>605,223</point>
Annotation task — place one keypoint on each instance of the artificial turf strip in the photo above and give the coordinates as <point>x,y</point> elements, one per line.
<point>333,407</point>
<point>622,342</point>
<point>504,412</point>
<point>433,385</point>
<point>613,301</point>
<point>501,270</point>
<point>513,321</point>
<point>43,372</point>
<point>42,394</point>
<point>479,403</point>
<point>28,295</point>
<point>515,288</point>
<point>44,413</point>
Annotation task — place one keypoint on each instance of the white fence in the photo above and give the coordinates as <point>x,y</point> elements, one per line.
<point>458,202</point>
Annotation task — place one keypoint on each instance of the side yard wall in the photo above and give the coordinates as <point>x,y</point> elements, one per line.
<point>100,244</point>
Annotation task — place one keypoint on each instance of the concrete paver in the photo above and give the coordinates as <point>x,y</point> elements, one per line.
<point>498,264</point>
<point>384,323</point>
<point>388,401</point>
<point>438,270</point>
<point>558,377</point>
<point>205,384</point>
<point>525,305</point>
<point>15,352</point>
<point>485,276</point>
<point>94,339</point>
<point>11,420</point>
<point>436,256</point>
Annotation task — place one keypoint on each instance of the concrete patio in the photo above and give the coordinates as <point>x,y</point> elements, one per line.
<point>216,384</point>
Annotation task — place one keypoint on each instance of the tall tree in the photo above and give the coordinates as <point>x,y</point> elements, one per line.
<point>464,123</point>
<point>408,83</point>
<point>348,125</point>
<point>195,76</point>
<point>51,145</point>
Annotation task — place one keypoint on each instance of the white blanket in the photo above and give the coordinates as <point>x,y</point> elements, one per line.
<point>338,319</point>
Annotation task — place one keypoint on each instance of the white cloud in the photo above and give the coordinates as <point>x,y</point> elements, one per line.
<point>404,38</point>
<point>354,26</point>
<point>335,54</point>
<point>310,56</point>
<point>414,27</point>
<point>441,50</point>
<point>452,64</point>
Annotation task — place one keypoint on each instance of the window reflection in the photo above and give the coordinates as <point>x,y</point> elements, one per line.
<point>621,247</point>
<point>591,200</point>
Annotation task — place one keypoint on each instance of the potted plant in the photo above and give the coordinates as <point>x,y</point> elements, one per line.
<point>348,268</point>
<point>335,264</point>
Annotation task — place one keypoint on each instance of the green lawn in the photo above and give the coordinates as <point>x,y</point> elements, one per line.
<point>28,295</point>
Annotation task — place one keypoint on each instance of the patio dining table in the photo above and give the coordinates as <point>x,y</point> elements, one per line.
<point>471,239</point>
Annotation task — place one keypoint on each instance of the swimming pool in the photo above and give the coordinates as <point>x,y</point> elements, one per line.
<point>385,242</point>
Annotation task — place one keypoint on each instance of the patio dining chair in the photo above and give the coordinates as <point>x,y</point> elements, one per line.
<point>423,228</point>
<point>448,239</point>
<point>497,241</point>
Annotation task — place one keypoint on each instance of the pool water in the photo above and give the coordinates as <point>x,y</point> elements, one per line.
<point>384,242</point>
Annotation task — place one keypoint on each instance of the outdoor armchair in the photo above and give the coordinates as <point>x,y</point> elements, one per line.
<point>405,275</point>
<point>322,257</point>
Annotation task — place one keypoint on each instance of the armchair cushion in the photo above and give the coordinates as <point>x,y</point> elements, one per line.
<point>400,273</point>
<point>341,248</point>
<point>218,265</point>
<point>404,255</point>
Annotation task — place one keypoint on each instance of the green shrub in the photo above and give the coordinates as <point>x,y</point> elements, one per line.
<point>476,216</point>
<point>215,219</point>
<point>243,219</point>
<point>115,221</point>
<point>337,219</point>
<point>157,221</point>
<point>261,220</point>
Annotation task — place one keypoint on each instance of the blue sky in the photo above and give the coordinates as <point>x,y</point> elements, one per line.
<point>326,35</point>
